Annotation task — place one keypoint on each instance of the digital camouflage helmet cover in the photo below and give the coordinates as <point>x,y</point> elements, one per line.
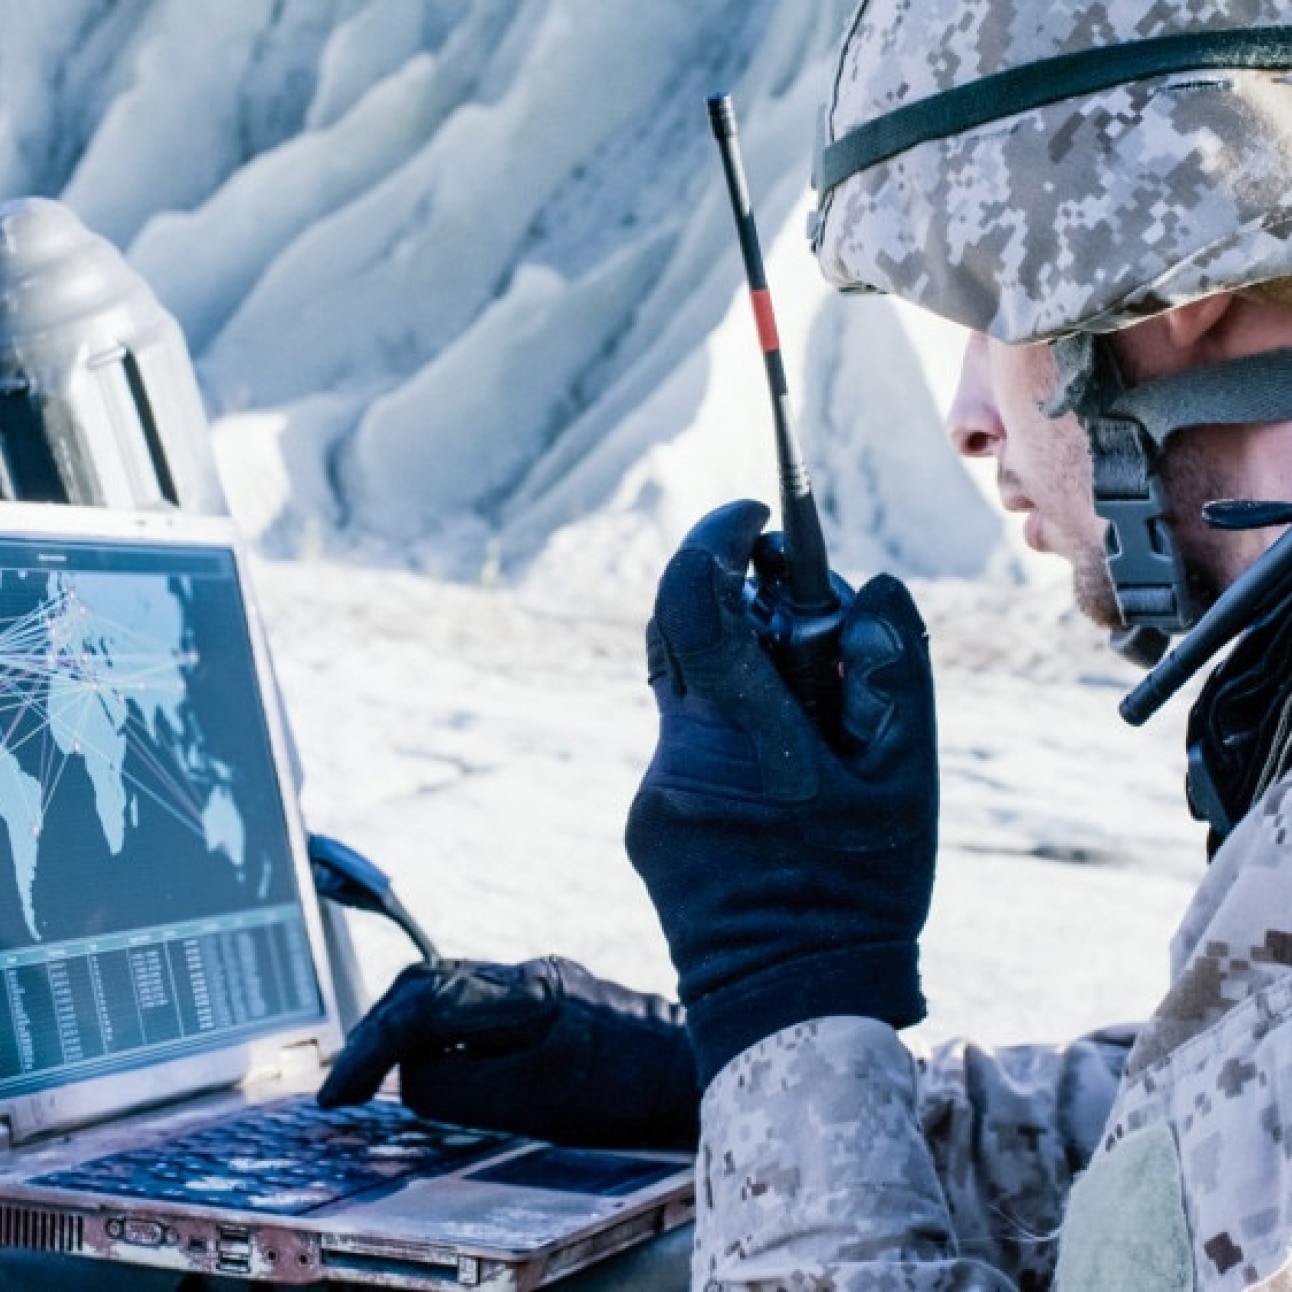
<point>1027,168</point>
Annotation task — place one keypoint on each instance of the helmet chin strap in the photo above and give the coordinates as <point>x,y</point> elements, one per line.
<point>1127,428</point>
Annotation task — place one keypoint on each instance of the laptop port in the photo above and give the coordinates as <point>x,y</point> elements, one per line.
<point>233,1249</point>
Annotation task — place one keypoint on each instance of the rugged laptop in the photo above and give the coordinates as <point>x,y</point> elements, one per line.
<point>165,1004</point>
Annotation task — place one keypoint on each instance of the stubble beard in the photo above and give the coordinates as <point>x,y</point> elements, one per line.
<point>1092,589</point>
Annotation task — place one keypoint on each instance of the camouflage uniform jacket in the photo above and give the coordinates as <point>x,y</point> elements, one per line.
<point>831,1157</point>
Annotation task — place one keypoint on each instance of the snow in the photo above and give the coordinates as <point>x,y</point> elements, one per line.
<point>462,290</point>
<point>485,749</point>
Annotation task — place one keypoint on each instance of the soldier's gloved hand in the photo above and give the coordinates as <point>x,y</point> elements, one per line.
<point>541,1049</point>
<point>792,879</point>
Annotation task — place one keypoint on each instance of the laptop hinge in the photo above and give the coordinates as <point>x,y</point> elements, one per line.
<point>299,1060</point>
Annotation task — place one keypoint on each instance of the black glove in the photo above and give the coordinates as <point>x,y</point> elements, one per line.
<point>541,1049</point>
<point>791,879</point>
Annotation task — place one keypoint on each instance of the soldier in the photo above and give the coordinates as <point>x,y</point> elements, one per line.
<point>1103,194</point>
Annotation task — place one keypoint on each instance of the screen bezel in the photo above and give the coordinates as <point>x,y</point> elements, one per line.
<point>96,1098</point>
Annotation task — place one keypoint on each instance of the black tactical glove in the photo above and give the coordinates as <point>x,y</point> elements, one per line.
<point>792,879</point>
<point>541,1049</point>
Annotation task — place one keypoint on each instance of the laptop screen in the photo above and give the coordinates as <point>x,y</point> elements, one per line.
<point>148,902</point>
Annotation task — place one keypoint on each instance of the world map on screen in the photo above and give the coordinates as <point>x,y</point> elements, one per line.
<point>118,790</point>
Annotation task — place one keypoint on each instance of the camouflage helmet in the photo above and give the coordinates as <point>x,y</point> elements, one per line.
<point>1030,168</point>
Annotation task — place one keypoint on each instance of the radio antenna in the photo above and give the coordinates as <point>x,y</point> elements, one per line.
<point>808,573</point>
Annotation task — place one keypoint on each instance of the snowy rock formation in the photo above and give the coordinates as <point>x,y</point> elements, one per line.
<point>460,278</point>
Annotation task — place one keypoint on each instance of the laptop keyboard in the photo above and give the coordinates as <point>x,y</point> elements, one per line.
<point>287,1157</point>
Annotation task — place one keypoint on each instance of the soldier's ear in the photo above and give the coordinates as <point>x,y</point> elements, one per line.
<point>1185,337</point>
<point>1190,324</point>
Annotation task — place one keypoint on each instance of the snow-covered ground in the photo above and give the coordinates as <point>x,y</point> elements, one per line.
<point>462,290</point>
<point>485,748</point>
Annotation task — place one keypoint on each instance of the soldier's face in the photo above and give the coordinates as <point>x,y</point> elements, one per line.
<point>1042,463</point>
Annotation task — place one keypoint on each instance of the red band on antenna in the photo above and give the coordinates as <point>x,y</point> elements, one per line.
<point>765,320</point>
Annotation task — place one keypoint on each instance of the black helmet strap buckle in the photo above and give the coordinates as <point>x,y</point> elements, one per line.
<point>1127,428</point>
<point>1143,563</point>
